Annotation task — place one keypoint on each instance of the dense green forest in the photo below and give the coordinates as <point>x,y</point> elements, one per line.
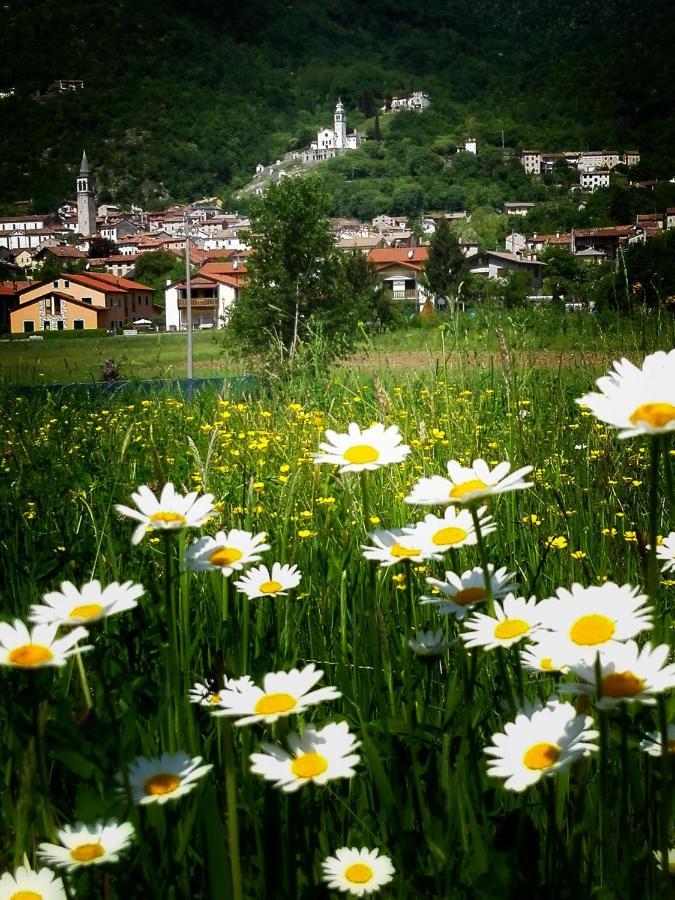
<point>183,98</point>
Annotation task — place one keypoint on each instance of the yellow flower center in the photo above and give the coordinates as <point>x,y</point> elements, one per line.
<point>26,895</point>
<point>214,699</point>
<point>469,595</point>
<point>87,852</point>
<point>510,628</point>
<point>622,684</point>
<point>271,587</point>
<point>671,745</point>
<point>591,630</point>
<point>658,415</point>
<point>86,611</point>
<point>467,487</point>
<point>450,535</point>
<point>30,655</point>
<point>546,663</point>
<point>309,765</point>
<point>358,873</point>
<point>169,518</point>
<point>162,783</point>
<point>541,756</point>
<point>360,454</point>
<point>225,556</point>
<point>400,552</point>
<point>271,704</point>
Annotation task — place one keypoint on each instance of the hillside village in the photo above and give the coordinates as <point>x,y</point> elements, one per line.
<point>105,243</point>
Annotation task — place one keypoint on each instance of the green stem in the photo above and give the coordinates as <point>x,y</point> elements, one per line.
<point>245,627</point>
<point>363,478</point>
<point>602,805</point>
<point>83,681</point>
<point>482,552</point>
<point>173,668</point>
<point>232,815</point>
<point>652,570</point>
<point>623,821</point>
<point>666,810</point>
<point>47,814</point>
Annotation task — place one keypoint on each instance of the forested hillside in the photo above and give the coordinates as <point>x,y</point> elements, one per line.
<point>183,98</point>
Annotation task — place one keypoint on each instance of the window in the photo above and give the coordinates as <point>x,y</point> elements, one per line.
<point>29,326</point>
<point>78,324</point>
<point>47,325</point>
<point>56,284</point>
<point>59,325</point>
<point>87,300</point>
<point>66,283</point>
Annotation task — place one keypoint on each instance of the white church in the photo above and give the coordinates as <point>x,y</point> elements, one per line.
<point>332,142</point>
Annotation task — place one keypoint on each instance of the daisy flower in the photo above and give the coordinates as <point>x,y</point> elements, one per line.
<point>542,655</point>
<point>467,484</point>
<point>637,400</point>
<point>87,845</point>
<point>586,620</point>
<point>429,644</point>
<point>451,531</point>
<point>628,674</point>
<point>666,552</point>
<point>282,694</point>
<point>71,606</point>
<point>394,546</point>
<point>317,756</point>
<point>208,694</point>
<point>227,552</point>
<point>38,648</point>
<point>356,871</point>
<point>671,859</point>
<point>363,451</point>
<point>540,742</point>
<point>260,582</point>
<point>171,512</point>
<point>652,742</point>
<point>460,593</point>
<point>27,884</point>
<point>515,619</point>
<point>164,778</point>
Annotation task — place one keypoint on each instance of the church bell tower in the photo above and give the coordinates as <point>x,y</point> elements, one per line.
<point>86,200</point>
<point>340,126</point>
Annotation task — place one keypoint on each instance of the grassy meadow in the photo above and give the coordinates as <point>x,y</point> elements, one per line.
<point>420,793</point>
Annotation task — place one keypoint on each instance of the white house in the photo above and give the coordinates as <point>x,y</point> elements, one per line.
<point>212,297</point>
<point>591,181</point>
<point>518,209</point>
<point>332,142</point>
<point>22,223</point>
<point>418,100</point>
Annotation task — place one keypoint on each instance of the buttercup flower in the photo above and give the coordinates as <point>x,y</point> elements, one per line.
<point>666,553</point>
<point>164,778</point>
<point>27,884</point>
<point>227,552</point>
<point>38,648</point>
<point>395,546</point>
<point>429,644</point>
<point>516,618</point>
<point>87,845</point>
<point>356,871</point>
<point>637,400</point>
<point>628,674</point>
<point>282,694</point>
<point>317,756</point>
<point>652,742</point>
<point>171,512</point>
<point>361,451</point>
<point>467,484</point>
<point>451,531</point>
<point>260,582</point>
<point>460,593</point>
<point>586,620</point>
<point>90,603</point>
<point>540,742</point>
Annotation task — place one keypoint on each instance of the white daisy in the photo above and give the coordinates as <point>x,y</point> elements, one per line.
<point>586,620</point>
<point>171,512</point>
<point>87,845</point>
<point>451,531</point>
<point>317,756</point>
<point>460,593</point>
<point>666,552</point>
<point>429,644</point>
<point>357,871</point>
<point>516,618</point>
<point>361,451</point>
<point>628,674</point>
<point>227,552</point>
<point>261,582</point>
<point>35,649</point>
<point>282,694</point>
<point>671,859</point>
<point>71,606</point>
<point>207,693</point>
<point>394,546</point>
<point>637,400</point>
<point>542,655</point>
<point>652,742</point>
<point>164,778</point>
<point>467,484</point>
<point>540,742</point>
<point>29,884</point>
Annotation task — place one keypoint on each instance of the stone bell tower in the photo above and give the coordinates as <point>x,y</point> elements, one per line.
<point>86,200</point>
<point>340,126</point>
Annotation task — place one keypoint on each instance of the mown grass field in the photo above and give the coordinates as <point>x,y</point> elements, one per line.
<point>420,792</point>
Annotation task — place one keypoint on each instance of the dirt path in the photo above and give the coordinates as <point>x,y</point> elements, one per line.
<point>424,359</point>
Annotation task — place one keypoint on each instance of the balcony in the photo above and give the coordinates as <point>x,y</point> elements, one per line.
<point>406,295</point>
<point>198,302</point>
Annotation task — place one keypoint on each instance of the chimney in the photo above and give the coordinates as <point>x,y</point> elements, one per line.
<point>168,282</point>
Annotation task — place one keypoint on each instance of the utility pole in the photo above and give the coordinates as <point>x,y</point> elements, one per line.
<point>188,293</point>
